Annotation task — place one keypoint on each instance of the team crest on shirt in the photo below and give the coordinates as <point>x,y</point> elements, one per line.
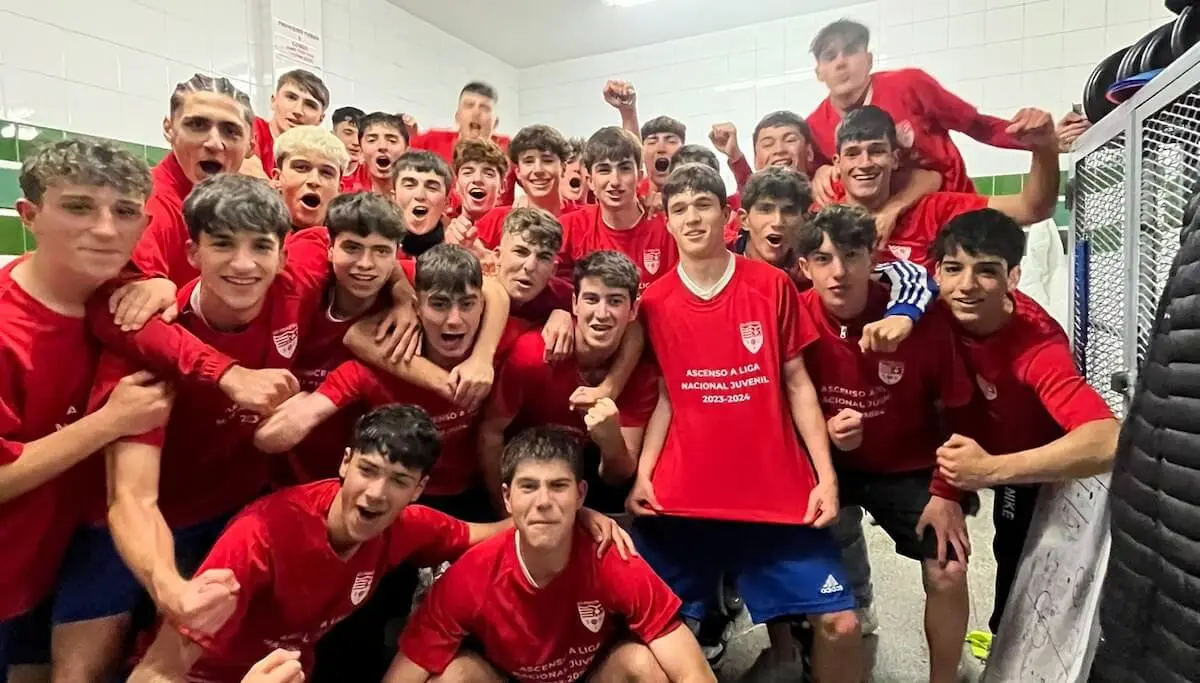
<point>988,389</point>
<point>286,339</point>
<point>891,371</point>
<point>899,251</point>
<point>591,613</point>
<point>361,587</point>
<point>752,336</point>
<point>905,134</point>
<point>652,258</point>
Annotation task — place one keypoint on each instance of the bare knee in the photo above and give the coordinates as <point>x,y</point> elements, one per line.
<point>951,578</point>
<point>468,668</point>
<point>836,626</point>
<point>87,651</point>
<point>630,663</point>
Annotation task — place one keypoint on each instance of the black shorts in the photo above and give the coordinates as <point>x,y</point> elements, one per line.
<point>896,501</point>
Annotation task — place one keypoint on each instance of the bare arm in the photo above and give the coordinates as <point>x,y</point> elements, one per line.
<point>655,435</point>
<point>495,319</point>
<point>618,464</point>
<point>1039,195</point>
<point>1085,451</point>
<point>138,528</point>
<point>419,371</point>
<point>491,447</point>
<point>48,457</point>
<point>403,670</point>
<point>626,361</point>
<point>478,533</point>
<point>806,414</point>
<point>168,660</point>
<point>681,658</point>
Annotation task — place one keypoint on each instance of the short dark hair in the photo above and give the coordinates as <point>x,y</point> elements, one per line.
<point>542,445</point>
<point>866,123</point>
<point>612,268</point>
<point>536,226</point>
<point>404,435</point>
<point>849,228</point>
<point>84,162</point>
<point>694,178</point>
<point>308,82</point>
<point>365,214</point>
<point>422,161</point>
<point>778,183</point>
<point>695,154</point>
<point>448,268</point>
<point>538,138</point>
<point>219,86</point>
<point>979,233</point>
<point>480,88</point>
<point>574,149</point>
<point>611,144</point>
<point>851,33</point>
<point>384,120</point>
<point>468,150</point>
<point>347,115</point>
<point>664,125</point>
<point>238,204</point>
<point>782,119</point>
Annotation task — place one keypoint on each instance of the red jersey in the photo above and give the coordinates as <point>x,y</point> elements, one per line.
<point>46,366</point>
<point>558,295</point>
<point>538,634</point>
<point>1029,390</point>
<point>264,144</point>
<point>162,249</point>
<point>458,468</point>
<point>532,392</point>
<point>727,392</point>
<point>209,464</point>
<point>490,228</point>
<point>925,113</point>
<point>896,392</point>
<point>648,244</point>
<point>918,227</point>
<point>441,142</point>
<point>358,180</point>
<point>294,587</point>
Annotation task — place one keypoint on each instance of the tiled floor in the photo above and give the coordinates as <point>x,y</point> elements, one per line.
<point>899,645</point>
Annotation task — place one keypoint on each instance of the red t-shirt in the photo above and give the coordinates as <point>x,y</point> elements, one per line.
<point>722,361</point>
<point>441,142</point>
<point>896,392</point>
<point>1029,390</point>
<point>209,464</point>
<point>359,180</point>
<point>538,634</point>
<point>490,228</point>
<point>46,366</point>
<point>293,587</point>
<point>925,113</point>
<point>918,227</point>
<point>162,249</point>
<point>458,468</point>
<point>264,144</point>
<point>648,244</point>
<point>558,295</point>
<point>533,392</point>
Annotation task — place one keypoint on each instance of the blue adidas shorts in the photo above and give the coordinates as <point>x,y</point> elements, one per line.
<point>781,570</point>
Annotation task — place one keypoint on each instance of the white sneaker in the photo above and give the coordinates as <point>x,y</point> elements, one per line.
<point>867,620</point>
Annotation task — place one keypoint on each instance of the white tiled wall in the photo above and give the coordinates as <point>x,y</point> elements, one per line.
<point>999,54</point>
<point>108,67</point>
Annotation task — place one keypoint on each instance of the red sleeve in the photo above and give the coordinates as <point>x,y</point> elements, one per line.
<point>427,538</point>
<point>635,592</point>
<point>309,248</point>
<point>524,369</point>
<point>162,243</point>
<point>349,382</point>
<point>163,348</point>
<point>820,131</point>
<point>109,371</point>
<point>243,550</point>
<point>796,329</point>
<point>639,398</point>
<point>490,228</point>
<point>10,415</point>
<point>508,193</point>
<point>409,267</point>
<point>951,112</point>
<point>514,328</point>
<point>1050,372</point>
<point>441,622</point>
<point>741,172</point>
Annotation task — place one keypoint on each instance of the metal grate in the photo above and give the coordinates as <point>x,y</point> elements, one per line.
<point>1100,277</point>
<point>1170,168</point>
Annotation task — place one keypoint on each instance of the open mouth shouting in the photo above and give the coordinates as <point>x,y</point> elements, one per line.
<point>576,183</point>
<point>774,239</point>
<point>311,199</point>
<point>211,166</point>
<point>662,164</point>
<point>419,211</point>
<point>477,193</point>
<point>383,162</point>
<point>368,515</point>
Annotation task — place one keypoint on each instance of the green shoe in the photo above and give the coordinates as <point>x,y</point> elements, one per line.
<point>981,644</point>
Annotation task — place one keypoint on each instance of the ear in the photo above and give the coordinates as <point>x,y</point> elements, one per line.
<point>192,249</point>
<point>506,493</point>
<point>582,495</point>
<point>347,456</point>
<point>804,268</point>
<point>725,214</point>
<point>633,310</point>
<point>870,61</point>
<point>1014,277</point>
<point>742,214</point>
<point>168,130</point>
<point>419,489</point>
<point>275,181</point>
<point>28,212</point>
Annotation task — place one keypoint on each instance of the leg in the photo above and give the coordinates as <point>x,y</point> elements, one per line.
<point>469,667</point>
<point>848,533</point>
<point>837,642</point>
<point>628,662</point>
<point>1012,512</point>
<point>947,609</point>
<point>28,648</point>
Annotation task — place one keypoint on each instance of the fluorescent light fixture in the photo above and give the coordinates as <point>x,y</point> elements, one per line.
<point>625,3</point>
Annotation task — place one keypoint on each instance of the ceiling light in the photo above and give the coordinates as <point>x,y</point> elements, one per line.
<point>625,3</point>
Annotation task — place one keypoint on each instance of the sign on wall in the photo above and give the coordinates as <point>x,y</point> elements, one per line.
<point>297,48</point>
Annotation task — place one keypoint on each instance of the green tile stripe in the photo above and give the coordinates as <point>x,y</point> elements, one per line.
<point>1012,183</point>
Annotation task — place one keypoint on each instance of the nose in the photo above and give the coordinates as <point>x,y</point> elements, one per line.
<point>213,141</point>
<point>364,261</point>
<point>105,226</point>
<point>692,215</point>
<point>837,269</point>
<point>313,179</point>
<point>375,487</point>
<point>243,260</point>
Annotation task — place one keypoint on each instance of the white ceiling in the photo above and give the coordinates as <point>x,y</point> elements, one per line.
<point>526,33</point>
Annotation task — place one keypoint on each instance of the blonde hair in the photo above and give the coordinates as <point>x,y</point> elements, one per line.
<point>302,139</point>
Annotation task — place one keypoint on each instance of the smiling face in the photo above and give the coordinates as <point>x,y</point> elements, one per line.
<point>782,146</point>
<point>381,147</point>
<point>86,231</point>
<point>840,277</point>
<point>539,172</point>
<point>478,186</point>
<point>362,265</point>
<point>374,492</point>
<point>614,182</point>
<point>422,196</point>
<point>237,268</point>
<point>524,267</point>
<point>697,222</point>
<point>449,323</point>
<point>293,106</point>
<point>308,182</point>
<point>770,224</point>
<point>209,134</point>
<point>976,288</point>
<point>543,498</point>
<point>602,314</point>
<point>866,168</point>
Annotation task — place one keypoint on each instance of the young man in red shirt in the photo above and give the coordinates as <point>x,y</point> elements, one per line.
<point>345,126</point>
<point>423,183</point>
<point>383,139</point>
<point>529,392</point>
<point>543,602</point>
<point>308,168</point>
<point>475,118</point>
<point>479,171</point>
<point>1022,364</point>
<point>85,204</point>
<point>573,186</point>
<point>537,153</point>
<point>780,138</point>
<point>883,417</point>
<point>300,99</point>
<point>763,520</point>
<point>660,136</point>
<point>617,221</point>
<point>924,111</point>
<point>869,154</point>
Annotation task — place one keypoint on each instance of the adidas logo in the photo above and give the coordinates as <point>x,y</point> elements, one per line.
<point>830,586</point>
